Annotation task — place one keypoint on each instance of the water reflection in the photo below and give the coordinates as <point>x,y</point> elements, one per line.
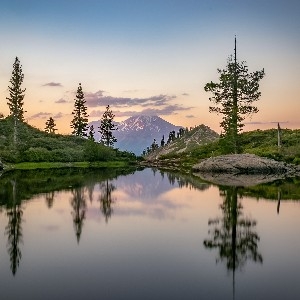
<point>106,199</point>
<point>13,230</point>
<point>19,186</point>
<point>170,202</point>
<point>78,204</point>
<point>49,197</point>
<point>233,234</point>
<point>279,199</point>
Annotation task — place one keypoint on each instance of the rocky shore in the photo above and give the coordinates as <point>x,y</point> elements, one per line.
<point>245,164</point>
<point>243,170</point>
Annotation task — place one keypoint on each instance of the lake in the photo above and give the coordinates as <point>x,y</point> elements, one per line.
<point>146,234</point>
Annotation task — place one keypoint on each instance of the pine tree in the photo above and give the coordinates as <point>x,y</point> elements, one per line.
<point>233,96</point>
<point>16,96</point>
<point>50,126</point>
<point>80,119</point>
<point>162,142</point>
<point>91,135</point>
<point>107,127</point>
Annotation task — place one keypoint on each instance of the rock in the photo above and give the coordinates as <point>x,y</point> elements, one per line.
<point>244,164</point>
<point>245,180</point>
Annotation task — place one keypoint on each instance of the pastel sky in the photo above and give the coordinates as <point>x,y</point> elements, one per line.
<point>149,57</point>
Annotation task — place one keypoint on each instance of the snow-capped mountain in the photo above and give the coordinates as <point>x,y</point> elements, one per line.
<point>138,132</point>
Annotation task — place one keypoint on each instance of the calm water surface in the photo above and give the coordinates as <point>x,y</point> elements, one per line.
<point>77,234</point>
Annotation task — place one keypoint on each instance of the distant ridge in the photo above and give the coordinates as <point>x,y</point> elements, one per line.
<point>199,135</point>
<point>138,132</point>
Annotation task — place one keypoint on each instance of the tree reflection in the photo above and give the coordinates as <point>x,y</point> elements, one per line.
<point>13,230</point>
<point>232,234</point>
<point>278,198</point>
<point>90,189</point>
<point>50,199</point>
<point>106,199</point>
<point>78,204</point>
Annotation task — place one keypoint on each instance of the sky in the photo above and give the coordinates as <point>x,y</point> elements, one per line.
<point>150,57</point>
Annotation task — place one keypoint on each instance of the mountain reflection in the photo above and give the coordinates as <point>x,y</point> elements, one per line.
<point>154,183</point>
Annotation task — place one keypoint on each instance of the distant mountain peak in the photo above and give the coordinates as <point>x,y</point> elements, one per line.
<point>142,122</point>
<point>138,132</point>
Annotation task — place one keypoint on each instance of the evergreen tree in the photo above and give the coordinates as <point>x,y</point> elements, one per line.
<point>162,142</point>
<point>181,132</point>
<point>80,119</point>
<point>107,127</point>
<point>91,135</point>
<point>154,146</point>
<point>50,125</point>
<point>233,96</point>
<point>16,96</point>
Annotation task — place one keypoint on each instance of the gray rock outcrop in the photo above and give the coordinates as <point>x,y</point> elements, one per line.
<point>244,164</point>
<point>243,170</point>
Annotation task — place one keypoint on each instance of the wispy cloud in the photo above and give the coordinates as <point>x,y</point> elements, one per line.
<point>131,91</point>
<point>266,122</point>
<point>190,116</point>
<point>40,115</point>
<point>58,115</point>
<point>53,84</point>
<point>167,110</point>
<point>185,94</point>
<point>98,99</point>
<point>61,100</point>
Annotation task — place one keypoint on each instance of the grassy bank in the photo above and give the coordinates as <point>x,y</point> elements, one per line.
<point>57,165</point>
<point>36,149</point>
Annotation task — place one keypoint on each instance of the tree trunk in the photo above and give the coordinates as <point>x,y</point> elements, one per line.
<point>279,136</point>
<point>15,131</point>
<point>235,105</point>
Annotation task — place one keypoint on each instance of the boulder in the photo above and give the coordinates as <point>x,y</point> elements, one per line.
<point>244,164</point>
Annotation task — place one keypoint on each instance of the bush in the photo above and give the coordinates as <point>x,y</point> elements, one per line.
<point>10,156</point>
<point>97,152</point>
<point>36,155</point>
<point>67,155</point>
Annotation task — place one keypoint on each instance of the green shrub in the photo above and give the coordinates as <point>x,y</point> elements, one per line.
<point>36,154</point>
<point>97,152</point>
<point>10,156</point>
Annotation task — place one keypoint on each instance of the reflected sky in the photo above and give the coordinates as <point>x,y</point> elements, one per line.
<point>151,245</point>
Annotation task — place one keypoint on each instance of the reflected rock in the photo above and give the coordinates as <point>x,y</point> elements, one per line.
<point>242,180</point>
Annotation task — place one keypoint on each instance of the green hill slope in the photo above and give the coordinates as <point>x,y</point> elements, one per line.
<point>191,149</point>
<point>191,140</point>
<point>34,145</point>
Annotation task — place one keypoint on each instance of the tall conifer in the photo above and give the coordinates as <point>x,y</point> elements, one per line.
<point>80,119</point>
<point>50,126</point>
<point>16,96</point>
<point>107,127</point>
<point>233,97</point>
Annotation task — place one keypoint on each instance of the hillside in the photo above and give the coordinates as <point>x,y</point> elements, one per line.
<point>178,155</point>
<point>200,135</point>
<point>35,145</point>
